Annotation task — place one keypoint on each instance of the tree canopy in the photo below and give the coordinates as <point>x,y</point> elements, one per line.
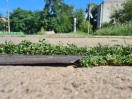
<point>58,15</point>
<point>123,15</point>
<point>24,21</point>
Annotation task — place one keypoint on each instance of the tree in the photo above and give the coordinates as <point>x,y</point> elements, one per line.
<point>124,15</point>
<point>52,7</point>
<point>24,21</point>
<point>56,12</point>
<point>127,10</point>
<point>117,17</point>
<point>63,23</point>
<point>50,12</point>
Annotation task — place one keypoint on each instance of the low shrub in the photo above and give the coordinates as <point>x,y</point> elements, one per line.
<point>84,27</point>
<point>42,31</point>
<point>115,31</point>
<point>94,56</point>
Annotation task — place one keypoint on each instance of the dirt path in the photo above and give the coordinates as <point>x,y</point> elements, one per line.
<point>46,82</point>
<point>89,42</point>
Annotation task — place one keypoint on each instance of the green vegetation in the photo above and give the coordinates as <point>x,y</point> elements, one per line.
<point>25,21</point>
<point>108,55</point>
<point>56,15</point>
<point>114,30</point>
<point>42,31</point>
<point>124,15</point>
<point>95,56</point>
<point>11,33</point>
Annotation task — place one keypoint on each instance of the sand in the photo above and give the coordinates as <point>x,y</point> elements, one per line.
<point>26,82</point>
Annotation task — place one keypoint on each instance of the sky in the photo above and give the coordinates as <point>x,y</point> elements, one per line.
<point>39,4</point>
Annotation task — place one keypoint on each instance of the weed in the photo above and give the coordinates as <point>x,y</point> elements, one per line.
<point>95,56</point>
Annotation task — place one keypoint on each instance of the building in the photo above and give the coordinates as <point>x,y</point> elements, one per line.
<point>3,24</point>
<point>105,9</point>
<point>3,19</point>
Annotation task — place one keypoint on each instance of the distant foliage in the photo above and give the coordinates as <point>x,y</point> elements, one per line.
<point>123,30</point>
<point>63,23</point>
<point>84,27</point>
<point>24,21</point>
<point>107,24</point>
<point>42,31</point>
<point>56,15</point>
<point>124,15</point>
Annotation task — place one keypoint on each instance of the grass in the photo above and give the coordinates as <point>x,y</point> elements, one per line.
<point>114,40</point>
<point>123,30</point>
<point>71,35</point>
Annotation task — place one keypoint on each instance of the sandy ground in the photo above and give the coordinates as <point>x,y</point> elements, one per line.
<point>89,42</point>
<point>46,82</point>
<point>28,82</point>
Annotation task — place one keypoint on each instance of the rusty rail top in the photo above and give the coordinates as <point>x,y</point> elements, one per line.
<point>37,59</point>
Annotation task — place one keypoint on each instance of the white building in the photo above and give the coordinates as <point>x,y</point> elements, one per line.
<point>105,9</point>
